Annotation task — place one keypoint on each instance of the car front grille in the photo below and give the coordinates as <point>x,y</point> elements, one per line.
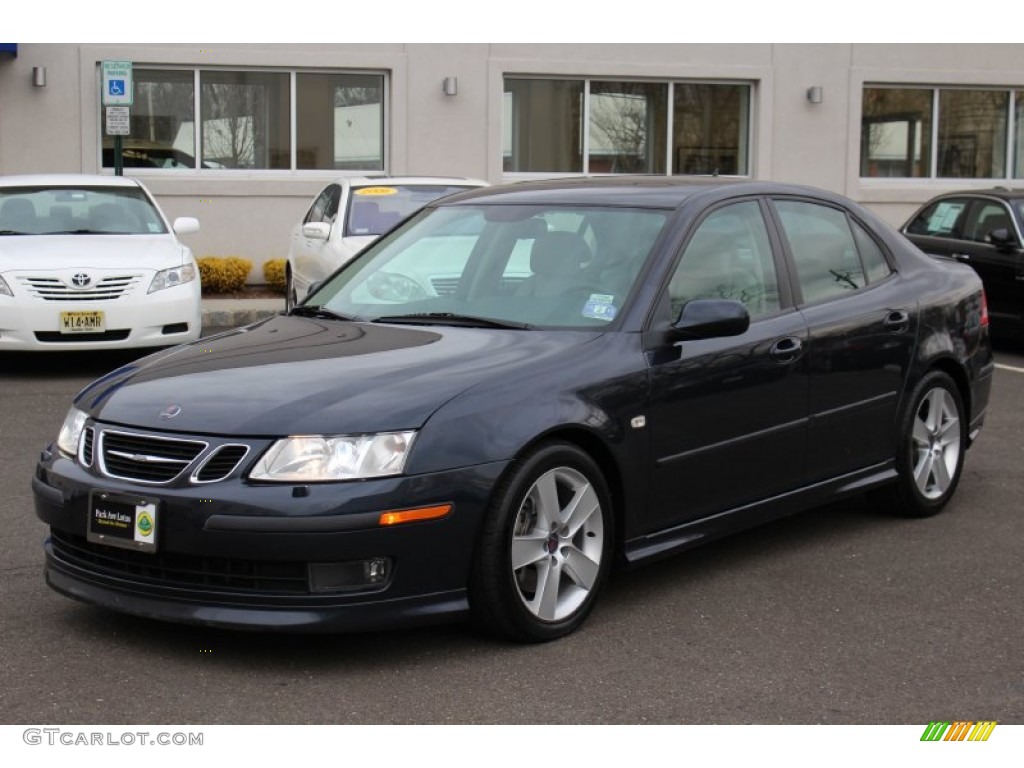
<point>146,458</point>
<point>54,289</point>
<point>223,574</point>
<point>56,337</point>
<point>221,463</point>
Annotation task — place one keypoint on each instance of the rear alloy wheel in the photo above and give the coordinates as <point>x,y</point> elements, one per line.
<point>932,447</point>
<point>545,548</point>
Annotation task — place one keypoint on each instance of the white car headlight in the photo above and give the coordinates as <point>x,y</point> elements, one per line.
<point>71,431</point>
<point>346,457</point>
<point>168,278</point>
<point>5,289</point>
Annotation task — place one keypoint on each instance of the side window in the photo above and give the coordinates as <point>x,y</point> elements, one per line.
<point>728,257</point>
<point>983,217</point>
<point>943,218</point>
<point>827,263</point>
<point>333,193</point>
<point>316,212</point>
<point>875,264</point>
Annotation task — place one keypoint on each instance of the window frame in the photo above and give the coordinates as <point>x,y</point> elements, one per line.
<point>584,128</point>
<point>293,73</point>
<point>1012,117</point>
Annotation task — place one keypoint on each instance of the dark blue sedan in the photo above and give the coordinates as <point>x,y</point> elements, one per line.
<point>510,393</point>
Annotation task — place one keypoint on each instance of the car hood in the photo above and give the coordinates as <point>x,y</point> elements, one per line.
<point>295,375</point>
<point>54,252</point>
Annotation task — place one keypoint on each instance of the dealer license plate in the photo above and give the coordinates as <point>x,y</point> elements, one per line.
<point>122,521</point>
<point>81,322</point>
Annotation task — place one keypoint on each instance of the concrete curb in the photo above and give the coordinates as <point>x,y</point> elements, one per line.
<point>231,313</point>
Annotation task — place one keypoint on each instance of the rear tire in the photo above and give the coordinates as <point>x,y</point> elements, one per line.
<point>930,457</point>
<point>545,547</point>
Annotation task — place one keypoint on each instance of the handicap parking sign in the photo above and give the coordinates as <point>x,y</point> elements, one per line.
<point>117,83</point>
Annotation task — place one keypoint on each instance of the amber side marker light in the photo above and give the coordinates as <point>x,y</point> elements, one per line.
<point>399,516</point>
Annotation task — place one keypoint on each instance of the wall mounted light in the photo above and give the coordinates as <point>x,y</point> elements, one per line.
<point>39,77</point>
<point>450,86</point>
<point>815,94</point>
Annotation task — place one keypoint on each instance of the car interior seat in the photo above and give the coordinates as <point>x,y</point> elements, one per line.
<point>18,215</point>
<point>556,261</point>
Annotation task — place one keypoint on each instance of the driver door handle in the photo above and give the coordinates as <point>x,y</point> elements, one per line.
<point>787,350</point>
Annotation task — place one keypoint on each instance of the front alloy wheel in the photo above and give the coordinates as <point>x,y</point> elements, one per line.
<point>545,548</point>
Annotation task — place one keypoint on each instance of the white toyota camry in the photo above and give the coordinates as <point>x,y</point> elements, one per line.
<point>90,262</point>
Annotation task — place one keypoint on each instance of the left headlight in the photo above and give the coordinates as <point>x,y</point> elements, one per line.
<point>345,457</point>
<point>71,431</point>
<point>168,278</point>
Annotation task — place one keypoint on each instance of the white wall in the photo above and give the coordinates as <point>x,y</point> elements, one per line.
<point>56,128</point>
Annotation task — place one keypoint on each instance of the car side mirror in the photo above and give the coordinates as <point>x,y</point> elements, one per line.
<point>185,225</point>
<point>1001,239</point>
<point>710,319</point>
<point>316,230</point>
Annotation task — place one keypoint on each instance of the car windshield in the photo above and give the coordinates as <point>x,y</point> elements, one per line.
<point>517,266</point>
<point>78,211</point>
<point>374,210</point>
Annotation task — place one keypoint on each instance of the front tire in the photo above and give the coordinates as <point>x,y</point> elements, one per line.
<point>933,441</point>
<point>290,299</point>
<point>545,547</point>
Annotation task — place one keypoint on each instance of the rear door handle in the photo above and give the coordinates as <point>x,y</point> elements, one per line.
<point>897,321</point>
<point>786,350</point>
<point>960,256</point>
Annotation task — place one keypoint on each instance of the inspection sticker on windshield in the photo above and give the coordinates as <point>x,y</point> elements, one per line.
<point>599,306</point>
<point>371,191</point>
<point>122,521</point>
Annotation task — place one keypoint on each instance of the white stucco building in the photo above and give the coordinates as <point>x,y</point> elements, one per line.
<point>242,136</point>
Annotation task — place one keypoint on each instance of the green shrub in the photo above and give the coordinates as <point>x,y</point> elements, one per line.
<point>274,274</point>
<point>225,274</point>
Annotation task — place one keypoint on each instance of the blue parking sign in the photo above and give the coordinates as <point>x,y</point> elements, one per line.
<point>116,87</point>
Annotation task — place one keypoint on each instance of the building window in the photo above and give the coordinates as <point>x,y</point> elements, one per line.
<point>340,119</point>
<point>543,123</point>
<point>246,121</point>
<point>628,127</point>
<point>710,129</point>
<point>940,132</point>
<point>601,126</point>
<point>896,132</point>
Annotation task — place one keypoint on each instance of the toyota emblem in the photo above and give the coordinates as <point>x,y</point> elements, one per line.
<point>81,280</point>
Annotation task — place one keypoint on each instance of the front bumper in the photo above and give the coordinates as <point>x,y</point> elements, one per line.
<point>234,554</point>
<point>160,319</point>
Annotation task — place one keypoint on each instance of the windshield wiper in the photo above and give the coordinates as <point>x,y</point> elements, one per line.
<point>306,310</point>
<point>451,318</point>
<point>13,232</point>
<point>85,232</point>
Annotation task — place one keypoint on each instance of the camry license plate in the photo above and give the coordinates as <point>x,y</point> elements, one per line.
<point>81,322</point>
<point>122,521</point>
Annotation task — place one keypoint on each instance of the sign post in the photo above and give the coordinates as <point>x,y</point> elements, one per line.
<point>117,89</point>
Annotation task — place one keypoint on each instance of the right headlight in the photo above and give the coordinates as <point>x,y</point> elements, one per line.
<point>71,431</point>
<point>313,458</point>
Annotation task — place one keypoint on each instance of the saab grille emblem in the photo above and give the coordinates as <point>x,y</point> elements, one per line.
<point>170,411</point>
<point>81,280</point>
